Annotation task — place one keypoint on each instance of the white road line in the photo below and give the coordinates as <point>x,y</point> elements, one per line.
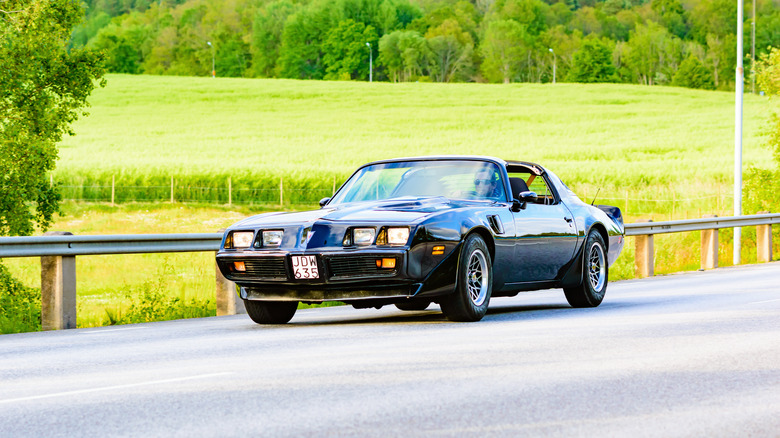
<point>763,302</point>
<point>124,329</point>
<point>109,388</point>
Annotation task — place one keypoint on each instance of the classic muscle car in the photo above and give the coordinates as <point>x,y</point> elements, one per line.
<point>454,230</point>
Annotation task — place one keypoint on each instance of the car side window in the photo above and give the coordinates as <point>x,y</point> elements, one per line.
<point>536,184</point>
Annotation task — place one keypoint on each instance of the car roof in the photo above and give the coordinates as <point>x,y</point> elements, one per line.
<point>535,167</point>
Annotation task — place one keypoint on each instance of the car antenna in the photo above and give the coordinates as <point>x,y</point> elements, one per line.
<point>597,194</point>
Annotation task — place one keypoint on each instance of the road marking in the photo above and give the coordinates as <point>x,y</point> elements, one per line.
<point>763,302</point>
<point>109,388</point>
<point>98,332</point>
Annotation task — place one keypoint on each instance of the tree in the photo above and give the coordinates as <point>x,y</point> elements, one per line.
<point>451,51</point>
<point>405,54</point>
<point>648,51</point>
<point>504,48</point>
<point>267,35</point>
<point>761,192</point>
<point>346,53</point>
<point>693,74</point>
<point>592,63</point>
<point>43,89</point>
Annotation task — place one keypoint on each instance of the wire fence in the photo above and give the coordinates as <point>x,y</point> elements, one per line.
<point>631,202</point>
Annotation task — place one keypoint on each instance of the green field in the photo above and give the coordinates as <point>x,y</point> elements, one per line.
<point>648,146</point>
<point>656,152</point>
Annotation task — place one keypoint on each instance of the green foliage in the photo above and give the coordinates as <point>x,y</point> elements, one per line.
<point>346,50</point>
<point>505,43</point>
<point>592,63</point>
<point>768,72</point>
<point>405,54</point>
<point>761,184</point>
<point>693,74</point>
<point>20,306</point>
<point>151,301</point>
<point>288,38</point>
<point>42,90</point>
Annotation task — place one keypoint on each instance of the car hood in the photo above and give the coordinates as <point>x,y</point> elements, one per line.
<point>407,211</point>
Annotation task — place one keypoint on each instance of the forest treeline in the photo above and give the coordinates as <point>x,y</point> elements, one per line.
<point>679,42</point>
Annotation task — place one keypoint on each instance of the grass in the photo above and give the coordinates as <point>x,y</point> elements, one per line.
<point>656,152</point>
<point>666,149</point>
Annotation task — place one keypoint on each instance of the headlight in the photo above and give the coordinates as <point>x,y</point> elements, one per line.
<point>397,235</point>
<point>363,236</point>
<point>242,239</point>
<point>272,238</point>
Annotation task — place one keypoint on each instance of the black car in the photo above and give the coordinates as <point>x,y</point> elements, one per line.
<point>456,231</point>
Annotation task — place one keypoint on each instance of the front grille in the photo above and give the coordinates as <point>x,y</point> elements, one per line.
<point>264,267</point>
<point>358,266</point>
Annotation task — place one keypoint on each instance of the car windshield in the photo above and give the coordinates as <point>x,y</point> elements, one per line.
<point>458,179</point>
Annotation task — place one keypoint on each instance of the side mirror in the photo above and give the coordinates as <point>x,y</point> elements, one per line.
<point>528,196</point>
<point>324,201</point>
<point>525,197</point>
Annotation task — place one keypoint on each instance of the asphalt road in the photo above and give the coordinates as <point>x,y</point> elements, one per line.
<point>692,355</point>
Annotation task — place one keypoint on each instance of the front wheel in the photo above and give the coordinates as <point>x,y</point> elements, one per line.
<point>271,312</point>
<point>474,284</point>
<point>595,273</point>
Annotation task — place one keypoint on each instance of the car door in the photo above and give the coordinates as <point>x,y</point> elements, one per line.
<point>545,238</point>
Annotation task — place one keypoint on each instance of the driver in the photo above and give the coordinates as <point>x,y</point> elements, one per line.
<point>485,183</point>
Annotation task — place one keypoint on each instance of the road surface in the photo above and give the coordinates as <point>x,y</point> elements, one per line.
<point>690,355</point>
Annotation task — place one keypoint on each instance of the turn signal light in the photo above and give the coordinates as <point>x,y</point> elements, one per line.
<point>239,266</point>
<point>438,250</point>
<point>385,263</point>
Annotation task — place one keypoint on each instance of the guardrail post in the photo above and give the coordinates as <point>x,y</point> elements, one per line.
<point>58,289</point>
<point>644,255</point>
<point>709,247</point>
<point>764,241</point>
<point>228,302</point>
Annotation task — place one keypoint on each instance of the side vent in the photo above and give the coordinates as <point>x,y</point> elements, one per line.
<point>495,224</point>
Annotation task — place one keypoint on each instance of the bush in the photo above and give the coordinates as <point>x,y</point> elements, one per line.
<point>20,306</point>
<point>592,63</point>
<point>693,74</point>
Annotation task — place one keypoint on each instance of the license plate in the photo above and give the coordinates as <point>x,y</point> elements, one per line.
<point>305,267</point>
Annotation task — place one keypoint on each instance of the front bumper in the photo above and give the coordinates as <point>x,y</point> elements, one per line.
<point>342,276</point>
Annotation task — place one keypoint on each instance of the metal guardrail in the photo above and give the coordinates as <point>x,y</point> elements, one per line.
<point>646,228</point>
<point>58,256</point>
<point>73,245</point>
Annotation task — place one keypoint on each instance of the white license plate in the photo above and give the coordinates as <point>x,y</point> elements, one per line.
<point>305,267</point>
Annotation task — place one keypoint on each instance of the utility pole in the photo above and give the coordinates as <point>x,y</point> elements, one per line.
<point>740,79</point>
<point>555,59</point>
<point>213,61</point>
<point>370,63</point>
<point>753,51</point>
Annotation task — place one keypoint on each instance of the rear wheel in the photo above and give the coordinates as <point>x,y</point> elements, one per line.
<point>595,275</point>
<point>271,312</point>
<point>474,284</point>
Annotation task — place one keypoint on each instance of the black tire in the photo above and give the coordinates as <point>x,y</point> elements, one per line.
<point>595,274</point>
<point>413,305</point>
<point>474,283</point>
<point>271,312</point>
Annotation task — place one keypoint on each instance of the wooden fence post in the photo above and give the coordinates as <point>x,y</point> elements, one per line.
<point>764,241</point>
<point>113,188</point>
<point>58,289</point>
<point>644,262</point>
<point>709,247</point>
<point>171,190</point>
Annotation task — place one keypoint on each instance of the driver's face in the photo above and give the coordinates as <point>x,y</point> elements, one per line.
<point>484,184</point>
